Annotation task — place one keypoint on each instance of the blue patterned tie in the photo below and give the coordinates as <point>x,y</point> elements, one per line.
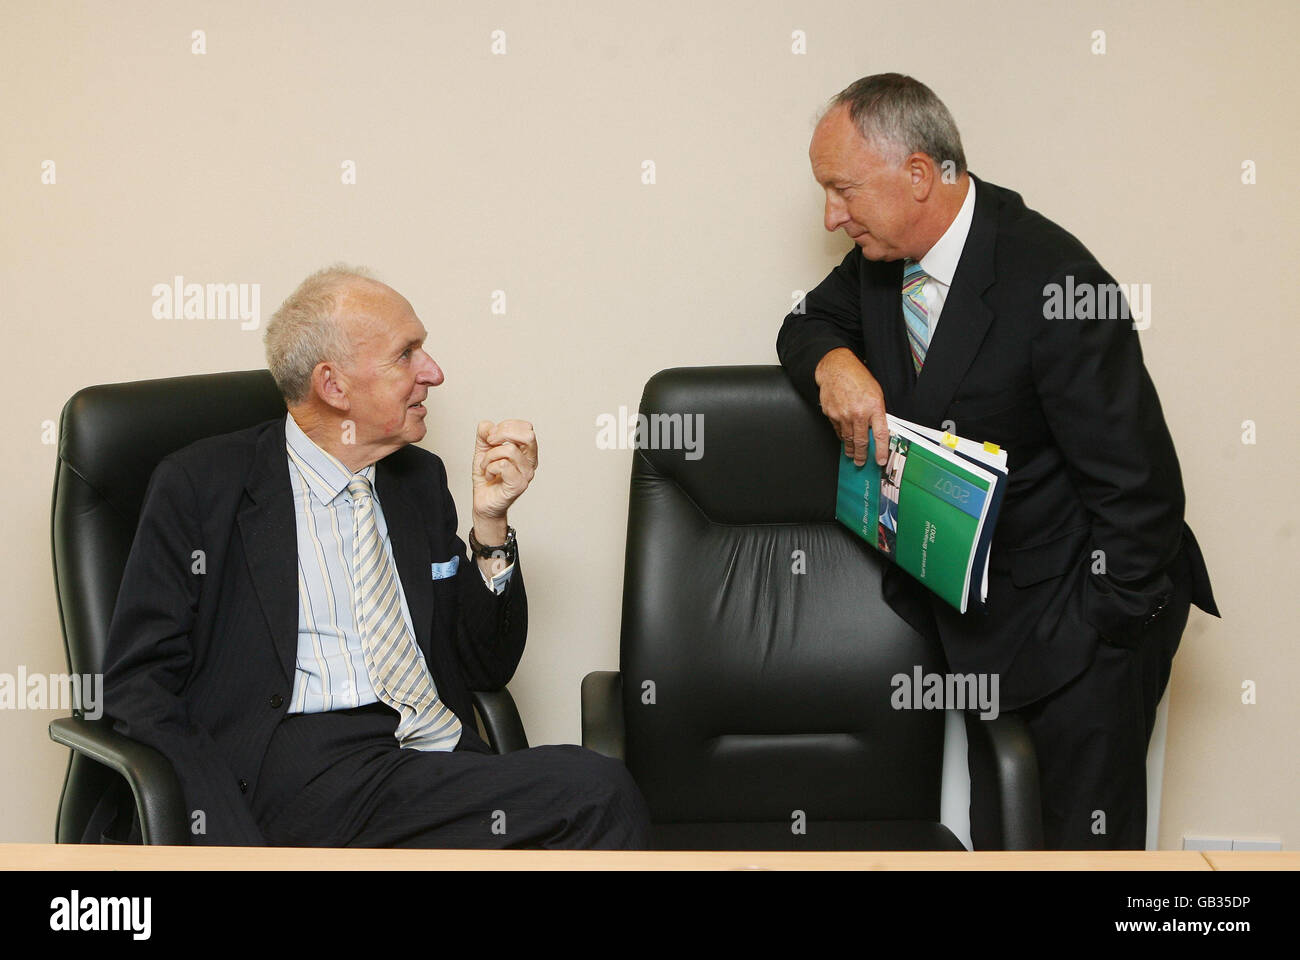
<point>916,311</point>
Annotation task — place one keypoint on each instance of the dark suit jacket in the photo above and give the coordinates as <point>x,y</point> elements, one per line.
<point>1091,463</point>
<point>200,666</point>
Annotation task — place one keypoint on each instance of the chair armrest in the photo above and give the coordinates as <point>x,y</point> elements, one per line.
<point>501,720</point>
<point>1002,747</point>
<point>159,801</point>
<point>602,713</point>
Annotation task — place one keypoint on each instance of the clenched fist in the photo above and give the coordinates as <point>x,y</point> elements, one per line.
<point>505,460</point>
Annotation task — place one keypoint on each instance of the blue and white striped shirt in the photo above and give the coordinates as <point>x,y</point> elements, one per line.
<point>331,670</point>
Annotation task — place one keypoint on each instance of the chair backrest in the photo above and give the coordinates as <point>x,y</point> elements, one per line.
<point>110,439</point>
<point>757,652</point>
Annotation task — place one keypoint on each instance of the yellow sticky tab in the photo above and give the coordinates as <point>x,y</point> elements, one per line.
<point>949,441</point>
<point>992,447</point>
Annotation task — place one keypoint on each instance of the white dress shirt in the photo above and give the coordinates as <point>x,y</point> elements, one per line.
<point>330,671</point>
<point>940,263</point>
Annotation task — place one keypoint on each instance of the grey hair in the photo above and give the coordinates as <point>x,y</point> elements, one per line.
<point>900,116</point>
<point>308,329</point>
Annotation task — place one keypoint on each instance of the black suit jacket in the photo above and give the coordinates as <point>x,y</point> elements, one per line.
<point>1090,460</point>
<point>200,665</point>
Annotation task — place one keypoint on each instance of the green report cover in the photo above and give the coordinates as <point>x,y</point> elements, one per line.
<point>931,508</point>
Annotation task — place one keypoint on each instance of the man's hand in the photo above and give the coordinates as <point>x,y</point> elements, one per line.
<point>853,402</point>
<point>505,460</point>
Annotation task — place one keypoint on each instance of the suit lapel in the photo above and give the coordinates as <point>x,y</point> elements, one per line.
<point>270,534</point>
<point>406,531</point>
<point>965,318</point>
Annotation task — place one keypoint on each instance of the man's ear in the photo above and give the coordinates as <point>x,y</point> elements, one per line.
<point>330,384</point>
<point>921,173</point>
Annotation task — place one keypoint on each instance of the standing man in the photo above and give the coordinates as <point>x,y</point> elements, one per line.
<point>948,312</point>
<point>310,680</point>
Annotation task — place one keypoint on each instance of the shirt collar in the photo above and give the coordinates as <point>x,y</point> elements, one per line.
<point>325,474</point>
<point>941,261</point>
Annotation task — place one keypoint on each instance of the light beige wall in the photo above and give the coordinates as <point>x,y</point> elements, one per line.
<point>522,172</point>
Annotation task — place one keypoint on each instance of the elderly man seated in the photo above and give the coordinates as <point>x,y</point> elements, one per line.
<point>299,626</point>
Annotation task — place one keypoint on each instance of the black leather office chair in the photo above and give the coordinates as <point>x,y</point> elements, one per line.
<point>110,439</point>
<point>757,651</point>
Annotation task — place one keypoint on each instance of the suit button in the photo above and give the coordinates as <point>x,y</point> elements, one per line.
<point>243,786</point>
<point>277,701</point>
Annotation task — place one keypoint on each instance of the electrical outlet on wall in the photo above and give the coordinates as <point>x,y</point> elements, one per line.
<point>1206,843</point>
<point>1257,844</point>
<point>1228,843</point>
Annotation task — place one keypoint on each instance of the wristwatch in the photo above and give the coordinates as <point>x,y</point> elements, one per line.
<point>506,550</point>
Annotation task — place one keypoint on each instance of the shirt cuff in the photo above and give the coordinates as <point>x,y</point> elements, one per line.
<point>498,583</point>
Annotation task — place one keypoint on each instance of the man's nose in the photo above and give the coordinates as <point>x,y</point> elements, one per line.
<point>432,374</point>
<point>836,215</point>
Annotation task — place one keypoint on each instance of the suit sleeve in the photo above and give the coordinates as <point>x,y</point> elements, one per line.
<point>491,629</point>
<point>1106,419</point>
<point>831,318</point>
<point>150,657</point>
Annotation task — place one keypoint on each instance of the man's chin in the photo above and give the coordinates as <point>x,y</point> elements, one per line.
<point>876,255</point>
<point>413,433</point>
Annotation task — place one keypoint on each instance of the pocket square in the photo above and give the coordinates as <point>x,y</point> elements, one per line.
<point>445,569</point>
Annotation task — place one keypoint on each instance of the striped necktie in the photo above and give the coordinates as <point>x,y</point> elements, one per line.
<point>397,670</point>
<point>916,311</point>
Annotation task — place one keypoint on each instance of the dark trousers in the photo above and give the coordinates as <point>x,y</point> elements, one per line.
<point>340,779</point>
<point>1091,740</point>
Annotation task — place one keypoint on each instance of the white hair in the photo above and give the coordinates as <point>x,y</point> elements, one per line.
<point>308,329</point>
